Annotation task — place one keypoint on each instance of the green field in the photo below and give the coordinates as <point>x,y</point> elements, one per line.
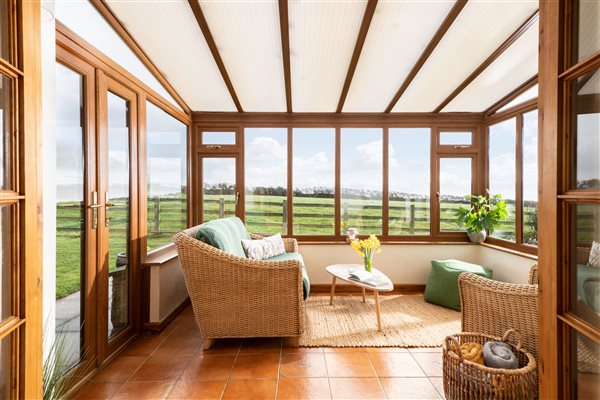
<point>264,214</point>
<point>69,238</point>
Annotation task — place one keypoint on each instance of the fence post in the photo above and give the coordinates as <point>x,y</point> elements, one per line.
<point>345,215</point>
<point>221,207</point>
<point>157,215</point>
<point>411,222</point>
<point>284,217</point>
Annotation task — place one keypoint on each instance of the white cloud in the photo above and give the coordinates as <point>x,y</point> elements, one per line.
<point>263,148</point>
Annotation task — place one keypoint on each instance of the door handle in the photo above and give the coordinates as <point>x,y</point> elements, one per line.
<point>95,206</point>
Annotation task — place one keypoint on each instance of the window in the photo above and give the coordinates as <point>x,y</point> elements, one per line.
<point>166,176</point>
<point>409,181</point>
<point>361,174</point>
<point>455,183</point>
<point>502,172</point>
<point>266,180</point>
<point>456,138</point>
<point>530,177</point>
<point>218,138</point>
<point>314,181</point>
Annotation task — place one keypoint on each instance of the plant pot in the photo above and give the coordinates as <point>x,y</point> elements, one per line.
<point>477,237</point>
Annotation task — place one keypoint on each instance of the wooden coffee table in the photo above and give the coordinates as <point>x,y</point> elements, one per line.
<point>342,271</point>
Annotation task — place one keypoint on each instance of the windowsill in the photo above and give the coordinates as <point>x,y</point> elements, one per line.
<point>160,256</point>
<point>510,251</point>
<point>384,242</point>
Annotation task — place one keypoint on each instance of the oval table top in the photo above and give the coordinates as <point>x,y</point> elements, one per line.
<point>379,282</point>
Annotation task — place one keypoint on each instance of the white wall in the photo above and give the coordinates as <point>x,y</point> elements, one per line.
<point>403,263</point>
<point>167,290</point>
<point>507,267</point>
<point>48,42</point>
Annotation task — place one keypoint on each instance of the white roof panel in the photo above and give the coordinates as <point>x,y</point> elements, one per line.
<point>398,35</point>
<point>248,37</point>
<point>170,36</point>
<point>477,32</point>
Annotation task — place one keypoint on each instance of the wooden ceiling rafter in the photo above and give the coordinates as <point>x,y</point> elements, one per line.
<point>284,27</point>
<point>488,61</point>
<point>115,23</point>
<point>435,40</point>
<point>528,84</point>
<point>360,41</point>
<point>210,41</point>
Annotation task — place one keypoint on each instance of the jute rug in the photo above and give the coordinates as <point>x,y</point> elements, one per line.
<point>406,321</point>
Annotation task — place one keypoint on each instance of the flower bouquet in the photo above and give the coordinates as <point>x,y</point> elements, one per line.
<point>366,249</point>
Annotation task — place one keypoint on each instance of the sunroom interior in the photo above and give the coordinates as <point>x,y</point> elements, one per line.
<point>132,128</point>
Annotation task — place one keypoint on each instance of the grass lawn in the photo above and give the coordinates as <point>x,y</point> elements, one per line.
<point>264,214</point>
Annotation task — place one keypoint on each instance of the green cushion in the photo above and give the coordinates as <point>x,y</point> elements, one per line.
<point>225,234</point>
<point>588,285</point>
<point>442,285</point>
<point>295,256</point>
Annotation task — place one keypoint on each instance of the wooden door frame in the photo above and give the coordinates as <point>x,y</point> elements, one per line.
<point>89,292</point>
<point>106,347</point>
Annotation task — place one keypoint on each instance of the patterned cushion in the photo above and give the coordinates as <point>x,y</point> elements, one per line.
<point>264,248</point>
<point>594,260</point>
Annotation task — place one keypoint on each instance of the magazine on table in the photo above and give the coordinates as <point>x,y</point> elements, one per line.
<point>362,276</point>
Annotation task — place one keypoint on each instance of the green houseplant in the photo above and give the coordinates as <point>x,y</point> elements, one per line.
<point>483,214</point>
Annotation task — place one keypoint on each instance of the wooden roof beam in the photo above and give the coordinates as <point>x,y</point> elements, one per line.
<point>124,34</point>
<point>360,41</point>
<point>195,6</point>
<point>435,40</point>
<point>511,96</point>
<point>284,27</point>
<point>503,47</point>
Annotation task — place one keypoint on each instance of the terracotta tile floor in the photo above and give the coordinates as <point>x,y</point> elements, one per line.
<point>172,365</point>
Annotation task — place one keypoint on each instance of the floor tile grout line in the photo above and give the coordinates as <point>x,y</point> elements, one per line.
<point>237,354</point>
<point>377,376</point>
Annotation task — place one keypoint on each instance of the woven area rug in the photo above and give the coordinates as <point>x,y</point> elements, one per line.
<point>406,321</point>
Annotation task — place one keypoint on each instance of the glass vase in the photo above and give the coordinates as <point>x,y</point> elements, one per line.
<point>368,263</point>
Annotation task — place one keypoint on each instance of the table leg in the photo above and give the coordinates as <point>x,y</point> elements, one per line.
<point>364,298</point>
<point>332,291</point>
<point>377,311</point>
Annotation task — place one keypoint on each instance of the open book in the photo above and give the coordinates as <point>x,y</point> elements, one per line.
<point>367,278</point>
<point>360,275</point>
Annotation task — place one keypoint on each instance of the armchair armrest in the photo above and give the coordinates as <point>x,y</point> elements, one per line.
<point>291,244</point>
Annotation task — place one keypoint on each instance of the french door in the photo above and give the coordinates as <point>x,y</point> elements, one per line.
<point>97,209</point>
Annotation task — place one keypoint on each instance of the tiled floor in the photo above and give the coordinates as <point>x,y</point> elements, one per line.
<point>173,365</point>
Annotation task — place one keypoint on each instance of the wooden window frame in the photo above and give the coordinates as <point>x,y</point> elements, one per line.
<point>516,113</point>
<point>432,121</point>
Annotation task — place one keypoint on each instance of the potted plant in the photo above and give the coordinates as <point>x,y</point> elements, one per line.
<point>366,249</point>
<point>483,214</point>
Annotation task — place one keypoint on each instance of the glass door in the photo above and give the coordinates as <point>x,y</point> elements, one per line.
<point>220,195</point>
<point>118,206</point>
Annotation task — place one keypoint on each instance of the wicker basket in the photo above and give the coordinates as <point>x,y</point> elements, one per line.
<point>468,380</point>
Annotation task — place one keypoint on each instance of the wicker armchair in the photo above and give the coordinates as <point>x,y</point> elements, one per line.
<point>493,307</point>
<point>235,297</point>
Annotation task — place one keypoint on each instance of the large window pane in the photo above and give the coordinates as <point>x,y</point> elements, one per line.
<point>502,172</point>
<point>167,176</point>
<point>585,262</point>
<point>314,181</point>
<point>588,25</point>
<point>266,180</point>
<point>409,181</point>
<point>361,179</point>
<point>218,188</point>
<point>6,110</point>
<point>6,275</point>
<point>70,210</point>
<point>455,184</point>
<point>585,367</point>
<point>118,213</point>
<point>586,116</point>
<point>530,177</point>
<point>5,37</point>
<point>7,369</point>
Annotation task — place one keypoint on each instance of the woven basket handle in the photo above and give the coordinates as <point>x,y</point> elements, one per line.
<point>517,335</point>
<point>452,340</point>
